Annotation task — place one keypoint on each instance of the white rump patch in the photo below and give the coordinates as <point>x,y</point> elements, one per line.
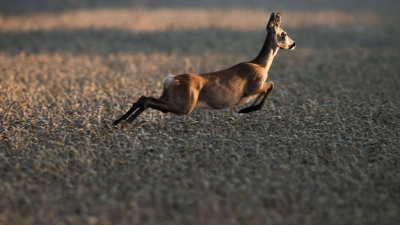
<point>168,81</point>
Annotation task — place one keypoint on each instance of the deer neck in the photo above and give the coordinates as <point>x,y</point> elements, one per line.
<point>267,53</point>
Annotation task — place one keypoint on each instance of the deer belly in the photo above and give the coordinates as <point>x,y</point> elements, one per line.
<point>221,102</point>
<point>245,100</point>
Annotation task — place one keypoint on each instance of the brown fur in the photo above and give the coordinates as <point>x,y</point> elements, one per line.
<point>222,89</point>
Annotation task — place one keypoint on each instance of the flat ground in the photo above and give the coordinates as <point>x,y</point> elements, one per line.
<point>325,149</point>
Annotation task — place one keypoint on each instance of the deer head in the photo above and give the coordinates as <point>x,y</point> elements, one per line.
<point>278,37</point>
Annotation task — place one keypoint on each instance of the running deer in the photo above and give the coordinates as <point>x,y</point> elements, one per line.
<point>222,89</point>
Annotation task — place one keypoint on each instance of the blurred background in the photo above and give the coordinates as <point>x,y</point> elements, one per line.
<point>86,26</point>
<point>28,6</point>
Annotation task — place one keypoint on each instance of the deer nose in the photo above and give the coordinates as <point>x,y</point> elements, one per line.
<point>292,46</point>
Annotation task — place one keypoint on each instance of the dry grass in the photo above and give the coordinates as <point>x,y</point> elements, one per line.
<point>324,150</point>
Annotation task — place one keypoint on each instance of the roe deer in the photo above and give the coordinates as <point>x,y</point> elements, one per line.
<point>222,89</point>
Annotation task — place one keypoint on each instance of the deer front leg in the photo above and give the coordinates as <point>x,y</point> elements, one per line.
<point>258,99</point>
<point>266,90</point>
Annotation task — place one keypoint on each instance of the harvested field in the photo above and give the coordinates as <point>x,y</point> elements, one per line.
<point>325,149</point>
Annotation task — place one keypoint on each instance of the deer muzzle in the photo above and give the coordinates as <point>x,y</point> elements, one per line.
<point>292,46</point>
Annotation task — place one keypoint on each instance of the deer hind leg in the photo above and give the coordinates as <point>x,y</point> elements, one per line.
<point>160,105</point>
<point>145,102</point>
<point>180,101</point>
<point>265,90</point>
<point>182,105</point>
<point>135,106</point>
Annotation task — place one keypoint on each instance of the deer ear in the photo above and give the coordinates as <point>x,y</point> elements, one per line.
<point>271,21</point>
<point>278,19</point>
<point>274,20</point>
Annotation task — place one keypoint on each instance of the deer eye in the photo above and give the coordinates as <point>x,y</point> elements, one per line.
<point>284,34</point>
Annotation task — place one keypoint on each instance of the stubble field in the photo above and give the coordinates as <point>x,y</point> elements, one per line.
<point>325,149</point>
